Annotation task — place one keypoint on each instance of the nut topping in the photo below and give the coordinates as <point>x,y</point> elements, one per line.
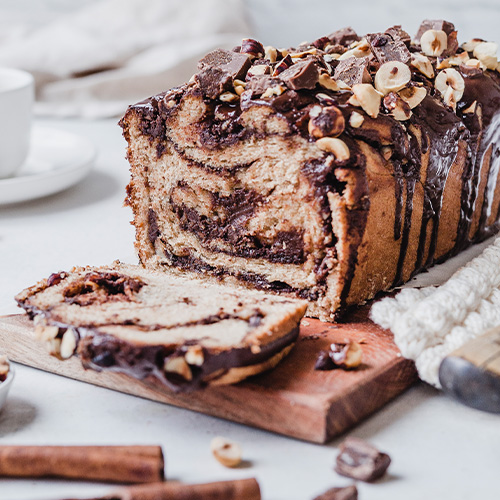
<point>397,107</point>
<point>486,52</point>
<point>434,42</point>
<point>276,90</point>
<point>451,85</point>
<point>326,81</point>
<point>356,119</point>
<point>228,97</point>
<point>335,146</point>
<point>195,356</point>
<point>367,97</point>
<point>422,63</point>
<point>271,53</point>
<point>470,109</point>
<point>68,344</point>
<point>413,96</point>
<point>227,452</point>
<point>328,122</point>
<point>178,365</point>
<point>252,48</point>
<point>471,44</point>
<point>392,76</point>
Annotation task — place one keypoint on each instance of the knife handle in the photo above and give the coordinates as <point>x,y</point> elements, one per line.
<point>471,374</point>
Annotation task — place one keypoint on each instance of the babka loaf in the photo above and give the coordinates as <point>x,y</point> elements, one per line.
<point>330,171</point>
<point>183,333</point>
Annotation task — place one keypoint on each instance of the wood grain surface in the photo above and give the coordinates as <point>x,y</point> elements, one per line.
<point>293,399</point>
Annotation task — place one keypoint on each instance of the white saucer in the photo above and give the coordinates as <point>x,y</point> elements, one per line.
<point>56,161</point>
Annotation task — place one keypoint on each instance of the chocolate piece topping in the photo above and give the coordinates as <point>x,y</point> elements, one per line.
<point>360,460</point>
<point>257,85</point>
<point>347,493</point>
<point>344,36</point>
<point>302,75</point>
<point>353,70</point>
<point>219,69</point>
<point>397,33</point>
<point>385,48</point>
<point>434,24</point>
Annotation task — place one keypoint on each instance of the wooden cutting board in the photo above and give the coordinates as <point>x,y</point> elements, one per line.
<point>293,399</point>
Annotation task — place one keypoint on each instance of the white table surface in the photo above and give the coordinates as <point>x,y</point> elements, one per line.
<point>440,449</point>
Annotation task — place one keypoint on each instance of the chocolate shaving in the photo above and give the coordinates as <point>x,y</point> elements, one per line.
<point>385,48</point>
<point>302,75</point>
<point>353,70</point>
<point>219,69</point>
<point>344,36</point>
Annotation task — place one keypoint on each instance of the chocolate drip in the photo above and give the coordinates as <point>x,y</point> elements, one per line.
<point>443,130</point>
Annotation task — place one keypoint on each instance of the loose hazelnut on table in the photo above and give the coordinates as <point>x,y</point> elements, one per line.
<point>227,452</point>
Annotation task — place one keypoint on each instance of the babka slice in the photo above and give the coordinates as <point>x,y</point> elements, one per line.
<point>184,333</point>
<point>330,171</point>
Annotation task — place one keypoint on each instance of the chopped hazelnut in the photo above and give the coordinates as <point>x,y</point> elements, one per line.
<point>434,42</point>
<point>227,452</point>
<point>335,146</point>
<point>392,76</point>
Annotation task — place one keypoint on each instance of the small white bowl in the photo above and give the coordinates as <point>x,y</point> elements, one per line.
<point>5,386</point>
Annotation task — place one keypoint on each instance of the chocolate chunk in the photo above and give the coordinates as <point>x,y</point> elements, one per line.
<point>257,85</point>
<point>219,69</point>
<point>360,460</point>
<point>321,43</point>
<point>353,70</point>
<point>397,33</point>
<point>452,46</point>
<point>344,36</point>
<point>302,75</point>
<point>385,48</point>
<point>347,493</point>
<point>430,24</point>
<point>470,71</point>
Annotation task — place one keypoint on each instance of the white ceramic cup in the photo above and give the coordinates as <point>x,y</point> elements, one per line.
<point>16,104</point>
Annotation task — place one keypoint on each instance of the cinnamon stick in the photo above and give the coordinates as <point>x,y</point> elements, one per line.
<point>117,464</point>
<point>241,489</point>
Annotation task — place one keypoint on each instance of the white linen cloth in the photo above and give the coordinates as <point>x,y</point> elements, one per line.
<point>431,322</point>
<point>111,53</point>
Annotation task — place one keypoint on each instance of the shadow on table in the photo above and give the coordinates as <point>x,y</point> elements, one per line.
<point>96,187</point>
<point>393,411</point>
<point>17,414</point>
